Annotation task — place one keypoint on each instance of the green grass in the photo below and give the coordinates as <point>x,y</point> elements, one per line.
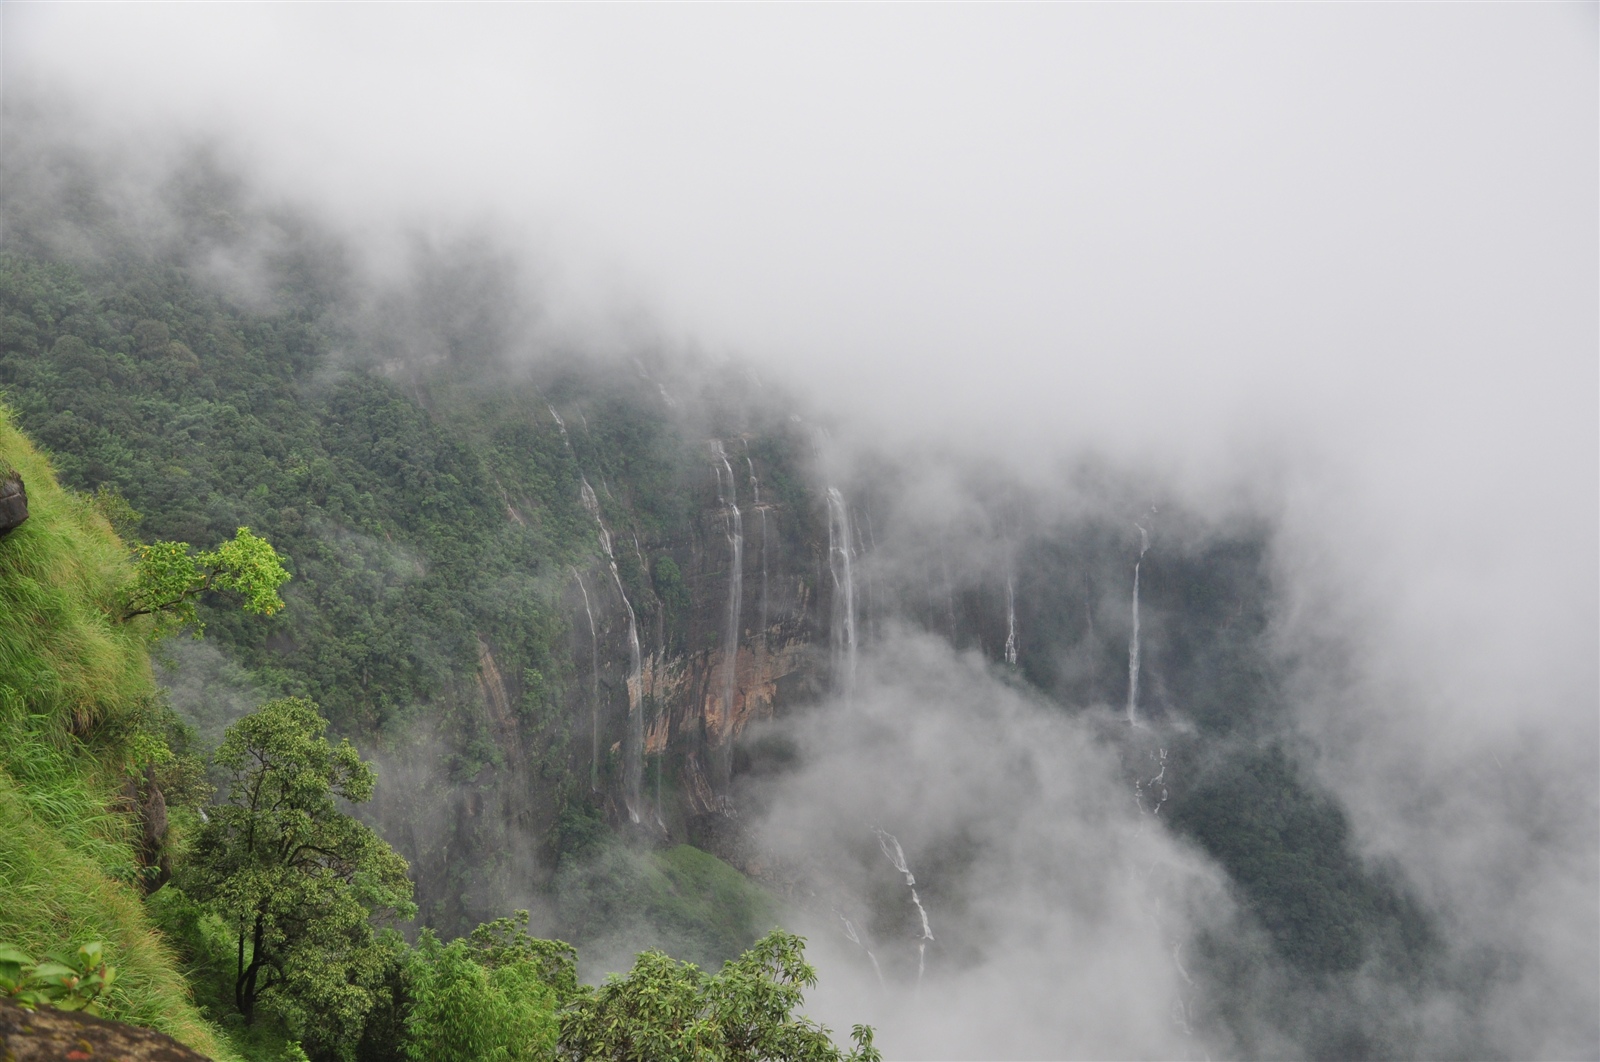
<point>75,685</point>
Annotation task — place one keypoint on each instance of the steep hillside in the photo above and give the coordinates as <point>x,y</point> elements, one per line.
<point>76,698</point>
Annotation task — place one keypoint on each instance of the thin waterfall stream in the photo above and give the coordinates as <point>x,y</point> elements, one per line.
<point>1133,643</point>
<point>734,522</point>
<point>633,740</point>
<point>594,687</point>
<point>896,855</point>
<point>844,592</point>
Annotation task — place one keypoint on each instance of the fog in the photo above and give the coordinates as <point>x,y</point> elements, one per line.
<point>1333,264</point>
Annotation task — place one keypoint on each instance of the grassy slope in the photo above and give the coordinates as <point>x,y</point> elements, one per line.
<point>73,683</point>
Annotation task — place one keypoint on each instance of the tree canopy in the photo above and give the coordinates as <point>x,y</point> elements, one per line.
<point>294,877</point>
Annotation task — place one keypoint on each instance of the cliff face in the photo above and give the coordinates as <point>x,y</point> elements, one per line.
<point>730,620</point>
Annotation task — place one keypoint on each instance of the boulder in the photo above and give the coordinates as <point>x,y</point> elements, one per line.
<point>13,500</point>
<point>51,1035</point>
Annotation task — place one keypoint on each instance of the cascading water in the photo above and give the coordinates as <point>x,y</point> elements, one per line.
<point>1011,620</point>
<point>761,510</point>
<point>855,938</point>
<point>893,852</point>
<point>1133,643</point>
<point>655,705</point>
<point>633,743</point>
<point>734,522</point>
<point>594,686</point>
<point>843,634</point>
<point>1156,786</point>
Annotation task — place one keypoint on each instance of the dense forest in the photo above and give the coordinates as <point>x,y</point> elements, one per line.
<point>446,706</point>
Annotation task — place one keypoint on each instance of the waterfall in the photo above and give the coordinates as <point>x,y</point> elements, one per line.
<point>761,510</point>
<point>844,591</point>
<point>1011,620</point>
<point>1156,785</point>
<point>594,686</point>
<point>1133,643</point>
<point>893,852</point>
<point>734,522</point>
<point>855,938</point>
<point>633,740</point>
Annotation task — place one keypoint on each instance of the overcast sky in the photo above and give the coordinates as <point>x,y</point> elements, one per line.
<point>1357,238</point>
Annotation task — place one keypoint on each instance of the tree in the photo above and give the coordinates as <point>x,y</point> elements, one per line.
<point>296,878</point>
<point>169,578</point>
<point>467,1008</point>
<point>668,1011</point>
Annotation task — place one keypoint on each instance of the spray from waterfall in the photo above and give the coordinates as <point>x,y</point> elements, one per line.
<point>1133,643</point>
<point>893,852</point>
<point>633,741</point>
<point>594,686</point>
<point>843,633</point>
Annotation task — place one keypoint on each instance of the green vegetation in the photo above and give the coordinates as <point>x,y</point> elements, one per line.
<point>169,578</point>
<point>77,713</point>
<point>674,1012</point>
<point>67,982</point>
<point>697,907</point>
<point>276,892</point>
<point>297,879</point>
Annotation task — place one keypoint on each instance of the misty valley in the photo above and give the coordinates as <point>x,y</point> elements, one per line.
<point>392,668</point>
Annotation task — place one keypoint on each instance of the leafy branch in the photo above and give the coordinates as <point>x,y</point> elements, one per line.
<point>66,982</point>
<point>169,578</point>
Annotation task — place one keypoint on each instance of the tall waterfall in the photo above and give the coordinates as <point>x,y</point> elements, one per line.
<point>633,739</point>
<point>730,652</point>
<point>893,852</point>
<point>1133,643</point>
<point>843,634</point>
<point>594,687</point>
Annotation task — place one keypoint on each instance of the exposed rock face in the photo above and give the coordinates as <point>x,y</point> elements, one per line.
<point>13,501</point>
<point>50,1035</point>
<point>694,715</point>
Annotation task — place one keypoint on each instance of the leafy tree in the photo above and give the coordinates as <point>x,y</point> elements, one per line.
<point>464,1010</point>
<point>668,1011</point>
<point>169,578</point>
<point>295,878</point>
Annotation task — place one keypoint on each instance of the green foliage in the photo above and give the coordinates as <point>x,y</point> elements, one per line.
<point>690,903</point>
<point>669,1011</point>
<point>74,981</point>
<point>295,878</point>
<point>55,886</point>
<point>168,578</point>
<point>506,942</point>
<point>1288,849</point>
<point>465,1010</point>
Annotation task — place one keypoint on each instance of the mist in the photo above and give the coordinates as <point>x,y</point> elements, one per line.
<point>1326,270</point>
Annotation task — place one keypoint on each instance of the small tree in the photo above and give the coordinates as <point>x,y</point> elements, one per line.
<point>669,1011</point>
<point>296,877</point>
<point>169,578</point>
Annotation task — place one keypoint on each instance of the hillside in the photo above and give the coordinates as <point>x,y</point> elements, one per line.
<point>77,705</point>
<point>561,600</point>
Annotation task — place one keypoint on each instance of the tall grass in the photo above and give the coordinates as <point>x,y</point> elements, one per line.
<point>74,681</point>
